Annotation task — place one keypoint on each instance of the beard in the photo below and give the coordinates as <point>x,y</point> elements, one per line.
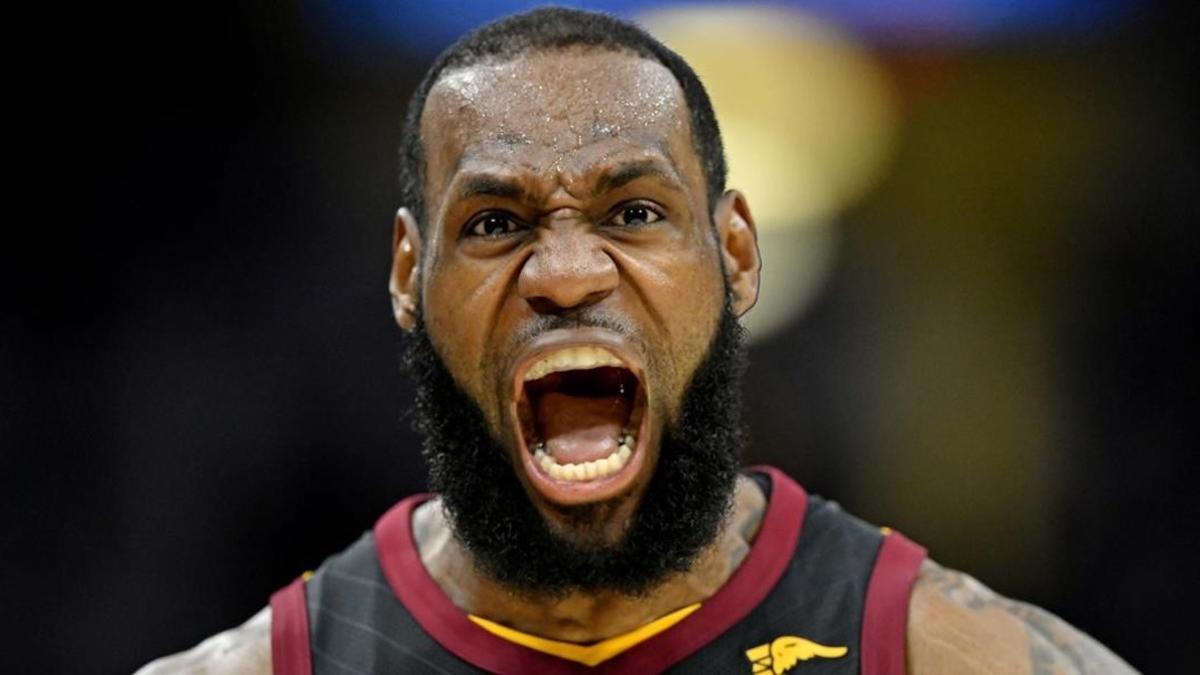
<point>684,507</point>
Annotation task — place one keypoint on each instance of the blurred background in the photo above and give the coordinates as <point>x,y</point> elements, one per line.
<point>979,227</point>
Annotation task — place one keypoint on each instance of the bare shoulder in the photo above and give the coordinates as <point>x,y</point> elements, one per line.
<point>958,625</point>
<point>245,649</point>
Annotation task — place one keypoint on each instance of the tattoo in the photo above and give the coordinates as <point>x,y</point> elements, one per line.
<point>1053,635</point>
<point>1042,657</point>
<point>954,586</point>
<point>748,527</point>
<point>1054,645</point>
<point>737,555</point>
<point>748,510</point>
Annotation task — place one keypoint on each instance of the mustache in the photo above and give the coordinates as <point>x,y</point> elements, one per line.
<point>592,317</point>
<point>588,318</point>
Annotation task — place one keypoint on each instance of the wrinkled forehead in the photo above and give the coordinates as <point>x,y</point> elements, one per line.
<point>552,106</point>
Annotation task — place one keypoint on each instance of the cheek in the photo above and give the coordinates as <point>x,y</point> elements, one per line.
<point>690,305</point>
<point>696,294</point>
<point>452,318</point>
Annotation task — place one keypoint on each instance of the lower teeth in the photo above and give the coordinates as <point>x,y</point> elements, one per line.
<point>582,471</point>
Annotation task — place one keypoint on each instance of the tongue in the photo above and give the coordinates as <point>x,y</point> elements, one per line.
<point>580,428</point>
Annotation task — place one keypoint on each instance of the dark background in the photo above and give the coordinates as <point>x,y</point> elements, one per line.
<point>200,393</point>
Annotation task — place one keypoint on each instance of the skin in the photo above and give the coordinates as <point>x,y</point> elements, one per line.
<point>549,156</point>
<point>958,625</point>
<point>546,128</point>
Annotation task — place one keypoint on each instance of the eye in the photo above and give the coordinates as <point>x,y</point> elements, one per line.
<point>635,215</point>
<point>493,224</point>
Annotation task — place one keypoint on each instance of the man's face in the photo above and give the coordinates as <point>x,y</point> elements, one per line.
<point>570,280</point>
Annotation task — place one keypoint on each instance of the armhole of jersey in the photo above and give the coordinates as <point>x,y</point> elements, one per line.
<point>884,643</point>
<point>290,653</point>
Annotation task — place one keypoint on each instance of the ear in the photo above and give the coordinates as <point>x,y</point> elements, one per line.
<point>406,257</point>
<point>738,241</point>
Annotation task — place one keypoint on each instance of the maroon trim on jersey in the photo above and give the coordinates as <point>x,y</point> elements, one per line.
<point>884,642</point>
<point>769,557</point>
<point>290,654</point>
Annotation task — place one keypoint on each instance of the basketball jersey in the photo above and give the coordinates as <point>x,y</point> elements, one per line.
<point>819,592</point>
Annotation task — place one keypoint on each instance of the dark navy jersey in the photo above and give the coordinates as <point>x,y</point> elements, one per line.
<point>819,592</point>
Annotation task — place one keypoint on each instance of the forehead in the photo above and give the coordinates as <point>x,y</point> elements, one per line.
<point>556,107</point>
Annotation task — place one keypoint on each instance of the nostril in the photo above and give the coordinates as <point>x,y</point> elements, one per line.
<point>544,306</point>
<point>547,305</point>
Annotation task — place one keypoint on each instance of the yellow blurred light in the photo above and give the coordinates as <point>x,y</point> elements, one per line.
<point>808,127</point>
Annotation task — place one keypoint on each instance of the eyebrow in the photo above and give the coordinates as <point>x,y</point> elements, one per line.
<point>628,172</point>
<point>491,186</point>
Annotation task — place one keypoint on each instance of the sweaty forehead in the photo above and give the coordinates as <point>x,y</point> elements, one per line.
<point>545,106</point>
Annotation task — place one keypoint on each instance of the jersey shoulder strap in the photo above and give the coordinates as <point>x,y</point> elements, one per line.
<point>290,653</point>
<point>841,606</point>
<point>345,618</point>
<point>885,616</point>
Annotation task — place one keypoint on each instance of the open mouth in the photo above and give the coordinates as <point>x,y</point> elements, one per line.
<point>580,411</point>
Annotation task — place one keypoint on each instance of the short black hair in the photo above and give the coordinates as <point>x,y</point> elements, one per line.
<point>549,28</point>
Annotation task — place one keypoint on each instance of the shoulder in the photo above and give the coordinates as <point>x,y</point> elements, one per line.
<point>958,625</point>
<point>242,650</point>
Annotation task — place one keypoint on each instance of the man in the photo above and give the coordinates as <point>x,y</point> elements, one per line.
<point>571,270</point>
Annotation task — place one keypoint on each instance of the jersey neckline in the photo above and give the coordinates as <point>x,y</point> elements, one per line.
<point>748,586</point>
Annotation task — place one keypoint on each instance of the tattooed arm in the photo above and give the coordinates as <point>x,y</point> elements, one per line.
<point>958,625</point>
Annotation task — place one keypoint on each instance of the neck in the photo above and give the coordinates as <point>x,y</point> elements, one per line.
<point>584,617</point>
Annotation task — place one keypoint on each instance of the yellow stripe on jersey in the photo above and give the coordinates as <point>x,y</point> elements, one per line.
<point>588,655</point>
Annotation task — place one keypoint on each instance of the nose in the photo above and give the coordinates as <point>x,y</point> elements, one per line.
<point>569,270</point>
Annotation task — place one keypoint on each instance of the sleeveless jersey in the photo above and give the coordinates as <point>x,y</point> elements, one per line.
<point>819,592</point>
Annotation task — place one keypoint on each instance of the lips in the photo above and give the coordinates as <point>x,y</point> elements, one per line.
<point>579,400</point>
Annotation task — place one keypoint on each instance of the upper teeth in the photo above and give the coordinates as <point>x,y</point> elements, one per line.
<point>571,358</point>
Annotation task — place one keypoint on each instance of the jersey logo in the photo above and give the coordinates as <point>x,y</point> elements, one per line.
<point>782,653</point>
